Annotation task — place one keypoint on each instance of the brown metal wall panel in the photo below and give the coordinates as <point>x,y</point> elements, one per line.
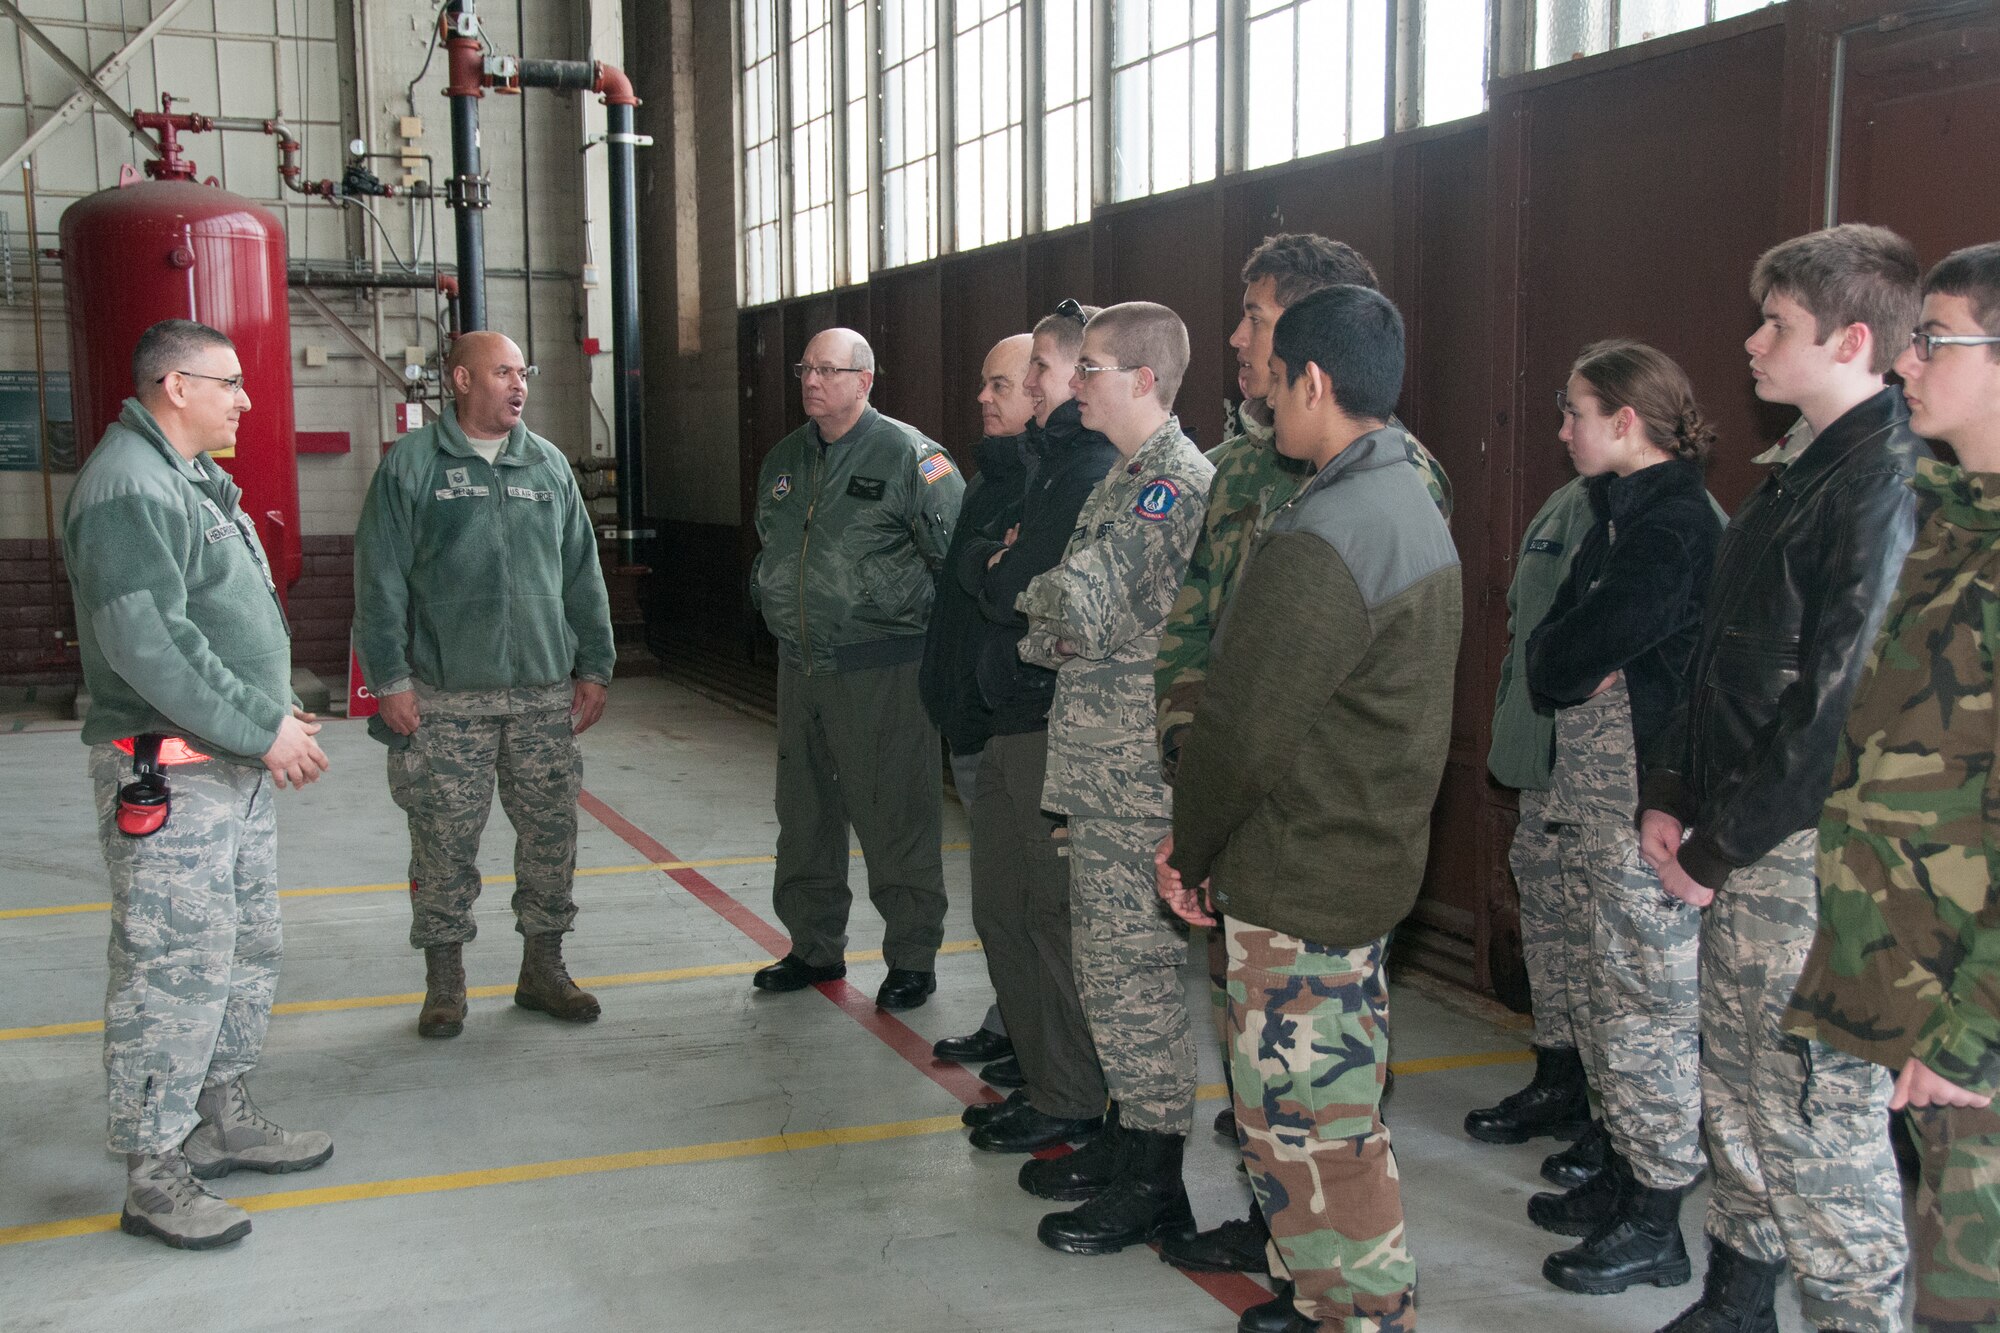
<point>987,294</point>
<point>1172,252</point>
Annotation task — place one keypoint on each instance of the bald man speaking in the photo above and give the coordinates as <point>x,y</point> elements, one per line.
<point>482,624</point>
<point>854,511</point>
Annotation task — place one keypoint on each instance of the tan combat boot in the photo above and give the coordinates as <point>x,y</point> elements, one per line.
<point>444,992</point>
<point>235,1136</point>
<point>545,985</point>
<point>164,1201</point>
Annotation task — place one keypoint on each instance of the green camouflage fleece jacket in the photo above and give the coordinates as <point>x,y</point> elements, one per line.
<point>1907,959</point>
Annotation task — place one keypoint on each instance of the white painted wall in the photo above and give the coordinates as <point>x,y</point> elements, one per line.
<point>331,69</point>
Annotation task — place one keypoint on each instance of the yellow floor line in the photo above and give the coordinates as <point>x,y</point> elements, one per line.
<point>491,992</point>
<point>568,1168</point>
<point>403,885</point>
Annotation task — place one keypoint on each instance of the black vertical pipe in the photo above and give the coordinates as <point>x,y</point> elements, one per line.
<point>466,196</point>
<point>627,385</point>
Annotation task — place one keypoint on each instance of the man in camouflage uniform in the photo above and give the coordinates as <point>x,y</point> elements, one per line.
<point>482,625</point>
<point>187,658</point>
<point>1302,810</point>
<point>1252,482</point>
<point>1903,972</point>
<point>1801,1171</point>
<point>1096,618</point>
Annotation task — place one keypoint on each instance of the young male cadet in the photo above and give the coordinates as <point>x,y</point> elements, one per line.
<point>1302,808</point>
<point>1796,1131</point>
<point>1252,481</point>
<point>482,624</point>
<point>186,654</point>
<point>1020,877</point>
<point>854,510</point>
<point>1905,970</point>
<point>957,631</point>
<point>1096,618</point>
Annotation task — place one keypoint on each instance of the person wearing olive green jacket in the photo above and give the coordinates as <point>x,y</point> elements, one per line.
<point>482,624</point>
<point>854,511</point>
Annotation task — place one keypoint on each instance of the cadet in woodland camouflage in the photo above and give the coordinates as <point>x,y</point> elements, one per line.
<point>1318,1126</point>
<point>444,780</point>
<point>195,944</point>
<point>1903,966</point>
<point>1105,603</point>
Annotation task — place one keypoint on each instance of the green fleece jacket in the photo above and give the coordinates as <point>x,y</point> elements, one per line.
<point>1307,780</point>
<point>178,619</point>
<point>470,576</point>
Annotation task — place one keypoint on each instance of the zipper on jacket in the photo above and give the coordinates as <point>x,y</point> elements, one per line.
<point>805,546</point>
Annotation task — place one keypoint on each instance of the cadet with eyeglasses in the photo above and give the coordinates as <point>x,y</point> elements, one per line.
<point>854,511</point>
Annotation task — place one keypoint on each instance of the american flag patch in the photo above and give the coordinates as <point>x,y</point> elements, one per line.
<point>935,468</point>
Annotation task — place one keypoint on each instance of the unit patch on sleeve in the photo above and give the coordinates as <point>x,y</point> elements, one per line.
<point>1543,546</point>
<point>1157,500</point>
<point>934,469</point>
<point>866,488</point>
<point>782,487</point>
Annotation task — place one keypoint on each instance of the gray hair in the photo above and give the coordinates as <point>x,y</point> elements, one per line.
<point>167,347</point>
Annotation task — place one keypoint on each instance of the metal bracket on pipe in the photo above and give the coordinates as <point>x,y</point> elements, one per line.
<point>468,192</point>
<point>636,140</point>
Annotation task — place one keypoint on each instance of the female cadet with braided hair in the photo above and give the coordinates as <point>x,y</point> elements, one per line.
<point>1611,661</point>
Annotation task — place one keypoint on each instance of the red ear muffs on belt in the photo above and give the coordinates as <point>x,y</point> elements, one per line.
<point>145,802</point>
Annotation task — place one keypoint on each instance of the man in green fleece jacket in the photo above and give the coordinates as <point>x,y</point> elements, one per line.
<point>1302,808</point>
<point>186,651</point>
<point>482,624</point>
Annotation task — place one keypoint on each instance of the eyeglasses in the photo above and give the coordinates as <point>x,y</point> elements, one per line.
<point>1564,404</point>
<point>1084,370</point>
<point>1071,309</point>
<point>801,370</point>
<point>234,383</point>
<point>1926,344</point>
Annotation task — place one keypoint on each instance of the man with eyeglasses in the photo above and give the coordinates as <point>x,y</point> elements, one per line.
<point>482,624</point>
<point>1095,619</point>
<point>855,511</point>
<point>1905,971</point>
<point>187,660</point>
<point>1797,1132</point>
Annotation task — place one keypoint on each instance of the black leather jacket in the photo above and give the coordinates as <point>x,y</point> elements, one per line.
<point>1801,583</point>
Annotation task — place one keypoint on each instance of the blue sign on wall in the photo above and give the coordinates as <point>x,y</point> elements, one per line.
<point>20,425</point>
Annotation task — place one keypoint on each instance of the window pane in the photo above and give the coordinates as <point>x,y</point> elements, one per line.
<point>1371,71</point>
<point>1323,86</point>
<point>1130,24</point>
<point>1058,170</point>
<point>1170,119</point>
<point>1059,43</point>
<point>1131,177</point>
<point>1454,59</point>
<point>1268,81</point>
<point>1642,20</point>
<point>1729,9</point>
<point>1202,132</point>
<point>1565,29</point>
<point>1170,23</point>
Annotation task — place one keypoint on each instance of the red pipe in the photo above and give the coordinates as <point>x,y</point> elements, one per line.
<point>614,85</point>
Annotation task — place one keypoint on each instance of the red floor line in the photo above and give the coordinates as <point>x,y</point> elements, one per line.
<point>1233,1290</point>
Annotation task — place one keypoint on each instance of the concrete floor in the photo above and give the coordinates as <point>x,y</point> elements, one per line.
<point>704,1157</point>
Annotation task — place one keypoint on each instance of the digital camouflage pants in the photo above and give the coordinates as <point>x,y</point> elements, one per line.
<point>1309,1049</point>
<point>195,943</point>
<point>1798,1133</point>
<point>468,742</point>
<point>1537,871</point>
<point>1129,952</point>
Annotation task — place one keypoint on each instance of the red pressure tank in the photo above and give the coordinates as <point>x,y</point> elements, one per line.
<point>149,250</point>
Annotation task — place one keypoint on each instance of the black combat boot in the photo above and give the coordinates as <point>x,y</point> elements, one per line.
<point>1556,1103</point>
<point>1640,1242</point>
<point>1144,1201</point>
<point>1237,1246</point>
<point>1081,1174</point>
<point>1277,1315</point>
<point>1580,1211</point>
<point>1581,1160</point>
<point>1739,1295</point>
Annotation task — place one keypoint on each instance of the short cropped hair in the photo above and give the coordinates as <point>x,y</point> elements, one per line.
<point>1301,263</point>
<point>1066,329</point>
<point>1854,273</point>
<point>168,346</point>
<point>1973,273</point>
<point>1354,335</point>
<point>1141,333</point>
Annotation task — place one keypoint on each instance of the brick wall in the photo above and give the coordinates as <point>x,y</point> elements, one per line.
<point>321,606</point>
<point>31,614</point>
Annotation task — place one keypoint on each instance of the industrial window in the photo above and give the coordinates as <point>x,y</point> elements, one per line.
<point>856,173</point>
<point>1164,77</point>
<point>763,203</point>
<point>1568,29</point>
<point>987,175</point>
<point>810,53</point>
<point>1066,132</point>
<point>1454,60</point>
<point>909,131</point>
<point>1317,76</point>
